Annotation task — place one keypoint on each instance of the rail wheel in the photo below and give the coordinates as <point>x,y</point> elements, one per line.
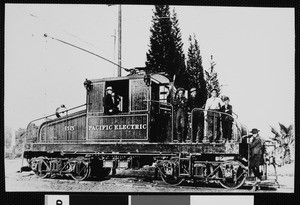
<point>170,172</point>
<point>103,173</point>
<point>40,167</point>
<point>80,169</point>
<point>97,169</point>
<point>233,173</point>
<point>100,172</point>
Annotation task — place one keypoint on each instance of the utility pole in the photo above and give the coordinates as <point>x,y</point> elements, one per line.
<point>120,40</point>
<point>115,36</point>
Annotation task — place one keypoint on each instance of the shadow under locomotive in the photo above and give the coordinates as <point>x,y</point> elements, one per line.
<point>90,144</point>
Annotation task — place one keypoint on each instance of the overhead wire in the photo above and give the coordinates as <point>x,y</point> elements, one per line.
<point>90,52</point>
<point>56,27</point>
<point>65,42</point>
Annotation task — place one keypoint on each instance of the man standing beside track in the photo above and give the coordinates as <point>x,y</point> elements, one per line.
<point>256,154</point>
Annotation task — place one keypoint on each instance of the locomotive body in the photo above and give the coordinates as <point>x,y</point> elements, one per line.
<point>89,143</point>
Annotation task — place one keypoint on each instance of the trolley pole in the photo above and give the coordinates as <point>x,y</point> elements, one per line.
<point>120,41</point>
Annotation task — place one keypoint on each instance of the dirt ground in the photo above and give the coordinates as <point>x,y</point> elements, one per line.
<point>125,181</point>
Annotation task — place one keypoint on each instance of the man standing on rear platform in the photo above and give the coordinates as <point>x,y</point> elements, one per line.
<point>197,116</point>
<point>213,118</point>
<point>180,105</point>
<point>227,119</point>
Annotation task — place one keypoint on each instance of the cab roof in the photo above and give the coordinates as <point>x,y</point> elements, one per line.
<point>157,77</point>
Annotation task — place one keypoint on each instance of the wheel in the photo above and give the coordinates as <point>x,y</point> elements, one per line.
<point>170,173</point>
<point>40,167</point>
<point>80,169</point>
<point>100,173</point>
<point>97,169</point>
<point>103,173</point>
<point>233,174</point>
<point>172,180</point>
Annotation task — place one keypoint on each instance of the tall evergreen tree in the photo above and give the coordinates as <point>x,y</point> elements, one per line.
<point>194,71</point>
<point>165,53</point>
<point>211,76</point>
<point>179,58</point>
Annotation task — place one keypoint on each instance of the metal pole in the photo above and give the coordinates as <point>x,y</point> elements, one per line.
<point>115,36</point>
<point>120,40</point>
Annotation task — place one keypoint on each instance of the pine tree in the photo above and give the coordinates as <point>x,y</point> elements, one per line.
<point>212,81</point>
<point>194,71</point>
<point>165,53</point>
<point>179,58</point>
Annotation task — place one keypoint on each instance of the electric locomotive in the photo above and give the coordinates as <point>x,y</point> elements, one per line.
<point>89,143</point>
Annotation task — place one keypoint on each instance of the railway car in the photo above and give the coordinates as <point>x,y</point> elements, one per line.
<point>86,142</point>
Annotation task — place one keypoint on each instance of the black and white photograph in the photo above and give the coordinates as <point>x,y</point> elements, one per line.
<point>106,98</point>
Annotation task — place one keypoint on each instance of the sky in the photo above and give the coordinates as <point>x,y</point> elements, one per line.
<point>254,51</point>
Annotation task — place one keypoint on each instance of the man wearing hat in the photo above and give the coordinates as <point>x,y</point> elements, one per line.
<point>256,153</point>
<point>227,119</point>
<point>110,102</point>
<point>197,116</point>
<point>180,106</point>
<point>213,103</point>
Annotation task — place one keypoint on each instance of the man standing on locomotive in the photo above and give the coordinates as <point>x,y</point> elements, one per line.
<point>180,105</point>
<point>197,116</point>
<point>213,118</point>
<point>116,101</point>
<point>227,119</point>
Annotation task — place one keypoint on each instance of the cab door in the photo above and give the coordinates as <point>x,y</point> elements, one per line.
<point>161,112</point>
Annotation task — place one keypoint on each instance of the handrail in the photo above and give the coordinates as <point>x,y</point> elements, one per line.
<point>216,112</point>
<point>157,101</point>
<point>223,113</point>
<point>50,116</point>
<point>235,115</point>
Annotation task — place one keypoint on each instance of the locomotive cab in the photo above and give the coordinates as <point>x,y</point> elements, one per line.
<point>143,115</point>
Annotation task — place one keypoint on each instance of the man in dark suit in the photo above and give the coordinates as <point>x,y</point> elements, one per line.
<point>180,105</point>
<point>197,116</point>
<point>256,153</point>
<point>116,100</point>
<point>110,102</point>
<point>227,119</point>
